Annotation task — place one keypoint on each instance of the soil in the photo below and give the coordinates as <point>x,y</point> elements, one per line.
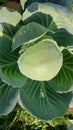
<point>71,109</point>
<point>12,5</point>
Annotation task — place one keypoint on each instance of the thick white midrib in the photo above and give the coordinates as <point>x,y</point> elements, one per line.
<point>4,35</point>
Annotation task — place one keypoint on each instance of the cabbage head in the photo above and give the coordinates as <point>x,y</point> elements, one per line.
<point>36,58</point>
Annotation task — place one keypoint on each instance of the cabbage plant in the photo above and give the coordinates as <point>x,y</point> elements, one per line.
<point>36,59</point>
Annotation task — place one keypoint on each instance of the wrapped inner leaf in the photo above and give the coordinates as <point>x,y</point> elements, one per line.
<point>41,61</point>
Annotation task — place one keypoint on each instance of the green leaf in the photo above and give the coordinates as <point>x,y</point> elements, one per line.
<point>6,31</point>
<point>63,82</point>
<point>8,98</point>
<point>28,34</point>
<point>12,76</point>
<point>60,35</point>
<point>9,16</point>
<point>63,37</point>
<point>60,2</point>
<point>6,35</point>
<point>42,101</point>
<point>61,16</point>
<point>8,61</point>
<point>66,3</point>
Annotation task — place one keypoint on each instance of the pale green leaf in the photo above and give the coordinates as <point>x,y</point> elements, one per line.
<point>9,16</point>
<point>23,3</point>
<point>38,60</point>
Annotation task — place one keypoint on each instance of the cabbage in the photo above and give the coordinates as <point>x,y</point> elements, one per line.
<point>41,61</point>
<point>36,58</point>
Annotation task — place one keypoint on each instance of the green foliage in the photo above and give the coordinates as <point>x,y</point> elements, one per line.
<point>28,34</point>
<point>65,81</point>
<point>8,98</point>
<point>18,33</point>
<point>66,3</point>
<point>54,104</point>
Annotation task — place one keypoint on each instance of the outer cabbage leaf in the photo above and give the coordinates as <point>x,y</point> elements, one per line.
<point>67,3</point>
<point>42,101</point>
<point>63,37</point>
<point>63,82</point>
<point>59,28</point>
<point>6,35</point>
<point>28,34</point>
<point>62,17</point>
<point>9,16</point>
<point>8,61</point>
<point>8,98</point>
